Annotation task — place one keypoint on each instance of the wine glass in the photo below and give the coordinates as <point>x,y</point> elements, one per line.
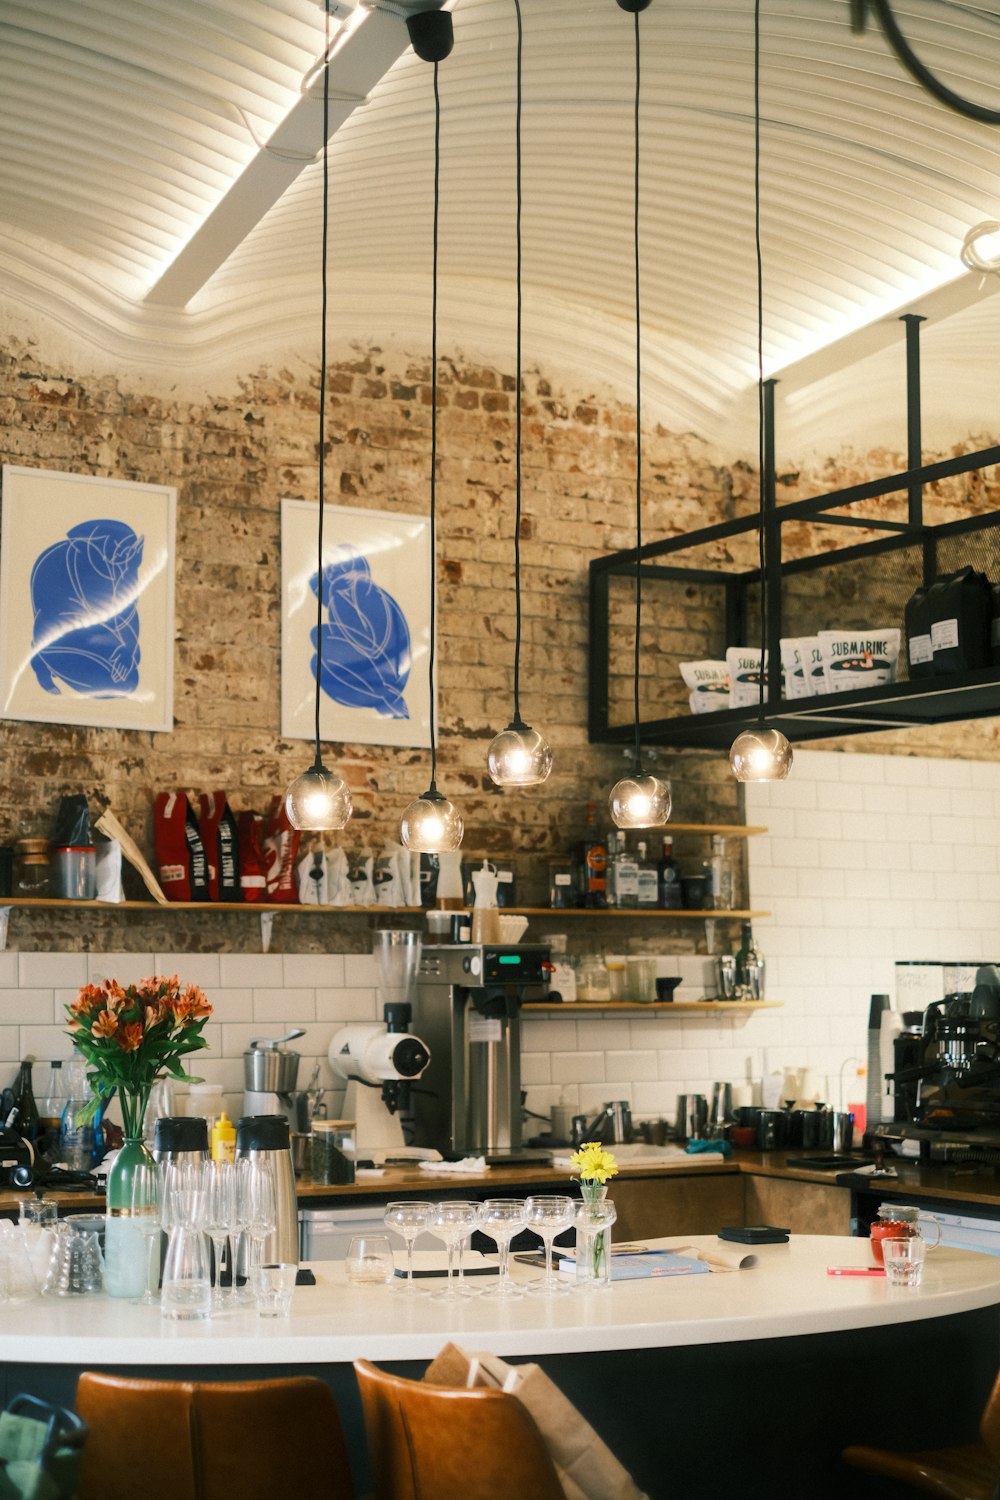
<point>548,1214</point>
<point>409,1219</point>
<point>453,1223</point>
<point>262,1216</point>
<point>219,1218</point>
<point>145,1208</point>
<point>501,1219</point>
<point>240,1228</point>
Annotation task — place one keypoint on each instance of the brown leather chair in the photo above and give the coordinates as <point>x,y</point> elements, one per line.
<point>433,1442</point>
<point>970,1471</point>
<point>188,1440</point>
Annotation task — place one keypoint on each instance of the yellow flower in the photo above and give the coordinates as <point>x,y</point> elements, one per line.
<point>592,1163</point>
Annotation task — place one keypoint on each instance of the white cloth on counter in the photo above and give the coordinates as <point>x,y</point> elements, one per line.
<point>467,1164</point>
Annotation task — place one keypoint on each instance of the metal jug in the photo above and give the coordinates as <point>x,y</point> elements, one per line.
<point>266,1138</point>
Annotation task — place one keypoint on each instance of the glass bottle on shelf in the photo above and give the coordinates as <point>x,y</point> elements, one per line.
<point>593,863</point>
<point>718,869</point>
<point>623,873</point>
<point>749,966</point>
<point>647,880</point>
<point>24,1117</point>
<point>50,1107</point>
<point>671,892</point>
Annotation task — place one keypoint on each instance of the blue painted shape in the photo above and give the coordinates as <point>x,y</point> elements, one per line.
<point>366,640</point>
<point>85,599</point>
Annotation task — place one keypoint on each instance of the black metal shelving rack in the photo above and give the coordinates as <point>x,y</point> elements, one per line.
<point>908,552</point>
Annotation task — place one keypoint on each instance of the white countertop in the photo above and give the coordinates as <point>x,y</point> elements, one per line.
<point>787,1293</point>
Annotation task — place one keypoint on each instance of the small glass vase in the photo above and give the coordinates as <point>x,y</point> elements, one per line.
<point>124,1243</point>
<point>594,1218</point>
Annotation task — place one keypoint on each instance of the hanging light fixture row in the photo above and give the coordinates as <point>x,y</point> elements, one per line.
<point>519,756</point>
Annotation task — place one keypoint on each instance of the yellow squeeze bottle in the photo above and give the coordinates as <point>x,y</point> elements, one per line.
<point>223,1139</point>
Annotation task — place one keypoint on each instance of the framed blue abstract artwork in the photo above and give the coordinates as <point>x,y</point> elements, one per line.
<point>86,600</point>
<point>375,620</point>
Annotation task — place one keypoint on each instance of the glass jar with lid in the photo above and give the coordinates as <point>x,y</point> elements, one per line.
<point>330,1141</point>
<point>32,867</point>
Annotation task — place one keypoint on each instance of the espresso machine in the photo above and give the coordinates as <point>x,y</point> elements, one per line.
<point>468,1011</point>
<point>947,1074</point>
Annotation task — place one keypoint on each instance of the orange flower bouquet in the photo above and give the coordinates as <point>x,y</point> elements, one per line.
<point>133,1035</point>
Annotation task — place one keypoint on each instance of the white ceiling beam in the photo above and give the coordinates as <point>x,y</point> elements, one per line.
<point>363,58</point>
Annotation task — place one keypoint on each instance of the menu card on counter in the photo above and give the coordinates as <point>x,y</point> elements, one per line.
<point>681,1260</point>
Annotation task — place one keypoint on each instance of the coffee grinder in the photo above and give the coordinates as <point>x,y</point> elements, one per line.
<point>270,1073</point>
<point>380,1061</point>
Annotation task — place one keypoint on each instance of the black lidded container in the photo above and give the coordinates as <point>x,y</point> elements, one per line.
<point>180,1135</point>
<point>917,629</point>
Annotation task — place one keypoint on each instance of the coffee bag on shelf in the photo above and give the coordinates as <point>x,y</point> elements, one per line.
<point>960,613</point>
<point>744,676</point>
<point>220,837</point>
<point>917,624</point>
<point>708,682</point>
<point>180,853</point>
<point>858,659</point>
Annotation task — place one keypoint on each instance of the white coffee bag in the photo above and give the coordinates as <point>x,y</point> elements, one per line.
<point>859,658</point>
<point>793,671</point>
<point>812,662</point>
<point>744,676</point>
<point>709,684</point>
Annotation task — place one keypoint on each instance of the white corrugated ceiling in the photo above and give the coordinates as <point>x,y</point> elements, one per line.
<point>140,209</point>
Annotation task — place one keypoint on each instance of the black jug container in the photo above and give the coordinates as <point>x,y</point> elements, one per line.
<point>266,1138</point>
<point>176,1137</point>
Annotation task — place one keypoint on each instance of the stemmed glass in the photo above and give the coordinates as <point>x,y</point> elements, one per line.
<point>262,1216</point>
<point>145,1207</point>
<point>240,1229</point>
<point>453,1223</point>
<point>219,1219</point>
<point>548,1214</point>
<point>409,1219</point>
<point>501,1219</point>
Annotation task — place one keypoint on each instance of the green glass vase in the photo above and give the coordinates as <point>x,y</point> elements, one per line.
<point>124,1244</point>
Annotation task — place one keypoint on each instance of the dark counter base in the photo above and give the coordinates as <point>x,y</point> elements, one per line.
<point>739,1421</point>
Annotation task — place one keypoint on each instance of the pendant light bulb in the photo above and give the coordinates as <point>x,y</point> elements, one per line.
<point>318,801</point>
<point>431,824</point>
<point>519,756</point>
<point>760,754</point>
<point>639,801</point>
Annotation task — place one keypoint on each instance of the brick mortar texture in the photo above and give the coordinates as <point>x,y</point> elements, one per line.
<point>235,456</point>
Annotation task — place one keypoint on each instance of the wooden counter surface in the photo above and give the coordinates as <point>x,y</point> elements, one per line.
<point>956,1184</point>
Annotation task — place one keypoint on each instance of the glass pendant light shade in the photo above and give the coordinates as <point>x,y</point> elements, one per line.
<point>519,756</point>
<point>760,754</point>
<point>431,824</point>
<point>639,801</point>
<point>318,801</point>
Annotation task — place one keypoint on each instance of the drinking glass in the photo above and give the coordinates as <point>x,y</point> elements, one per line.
<point>409,1219</point>
<point>453,1223</point>
<point>219,1219</point>
<point>903,1258</point>
<point>369,1260</point>
<point>548,1214</point>
<point>187,1281</point>
<point>275,1285</point>
<point>262,1215</point>
<point>500,1219</point>
<point>145,1207</point>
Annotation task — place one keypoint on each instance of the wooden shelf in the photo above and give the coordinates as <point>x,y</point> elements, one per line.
<point>686,915</point>
<point>643,1007</point>
<point>727,830</point>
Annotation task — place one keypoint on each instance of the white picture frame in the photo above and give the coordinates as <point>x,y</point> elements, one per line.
<point>86,600</point>
<point>377,625</point>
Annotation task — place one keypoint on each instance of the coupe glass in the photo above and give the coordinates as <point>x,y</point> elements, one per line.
<point>500,1219</point>
<point>453,1223</point>
<point>548,1214</point>
<point>409,1219</point>
<point>146,1209</point>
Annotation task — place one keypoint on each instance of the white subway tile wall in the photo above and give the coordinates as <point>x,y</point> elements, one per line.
<point>868,859</point>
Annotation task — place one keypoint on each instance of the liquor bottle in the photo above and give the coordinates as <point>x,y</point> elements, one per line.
<point>750,965</point>
<point>622,873</point>
<point>593,863</point>
<point>24,1118</point>
<point>648,883</point>
<point>671,894</point>
<point>50,1110</point>
<point>718,870</point>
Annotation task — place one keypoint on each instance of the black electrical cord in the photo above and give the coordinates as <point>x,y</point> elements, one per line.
<point>760,358</point>
<point>913,64</point>
<point>322,382</point>
<point>638,405</point>
<point>517,722</point>
<point>434,323</point>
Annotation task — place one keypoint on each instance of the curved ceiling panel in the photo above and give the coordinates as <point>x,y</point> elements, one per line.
<point>135,128</point>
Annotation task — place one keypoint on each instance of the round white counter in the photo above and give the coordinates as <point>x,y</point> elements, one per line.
<point>786,1294</point>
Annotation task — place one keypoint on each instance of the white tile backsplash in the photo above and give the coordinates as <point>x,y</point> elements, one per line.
<point>868,859</point>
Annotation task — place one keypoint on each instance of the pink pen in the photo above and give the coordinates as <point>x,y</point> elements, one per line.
<point>855,1270</point>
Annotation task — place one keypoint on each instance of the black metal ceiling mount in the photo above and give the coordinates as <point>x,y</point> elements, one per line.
<point>432,34</point>
<point>913,64</point>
